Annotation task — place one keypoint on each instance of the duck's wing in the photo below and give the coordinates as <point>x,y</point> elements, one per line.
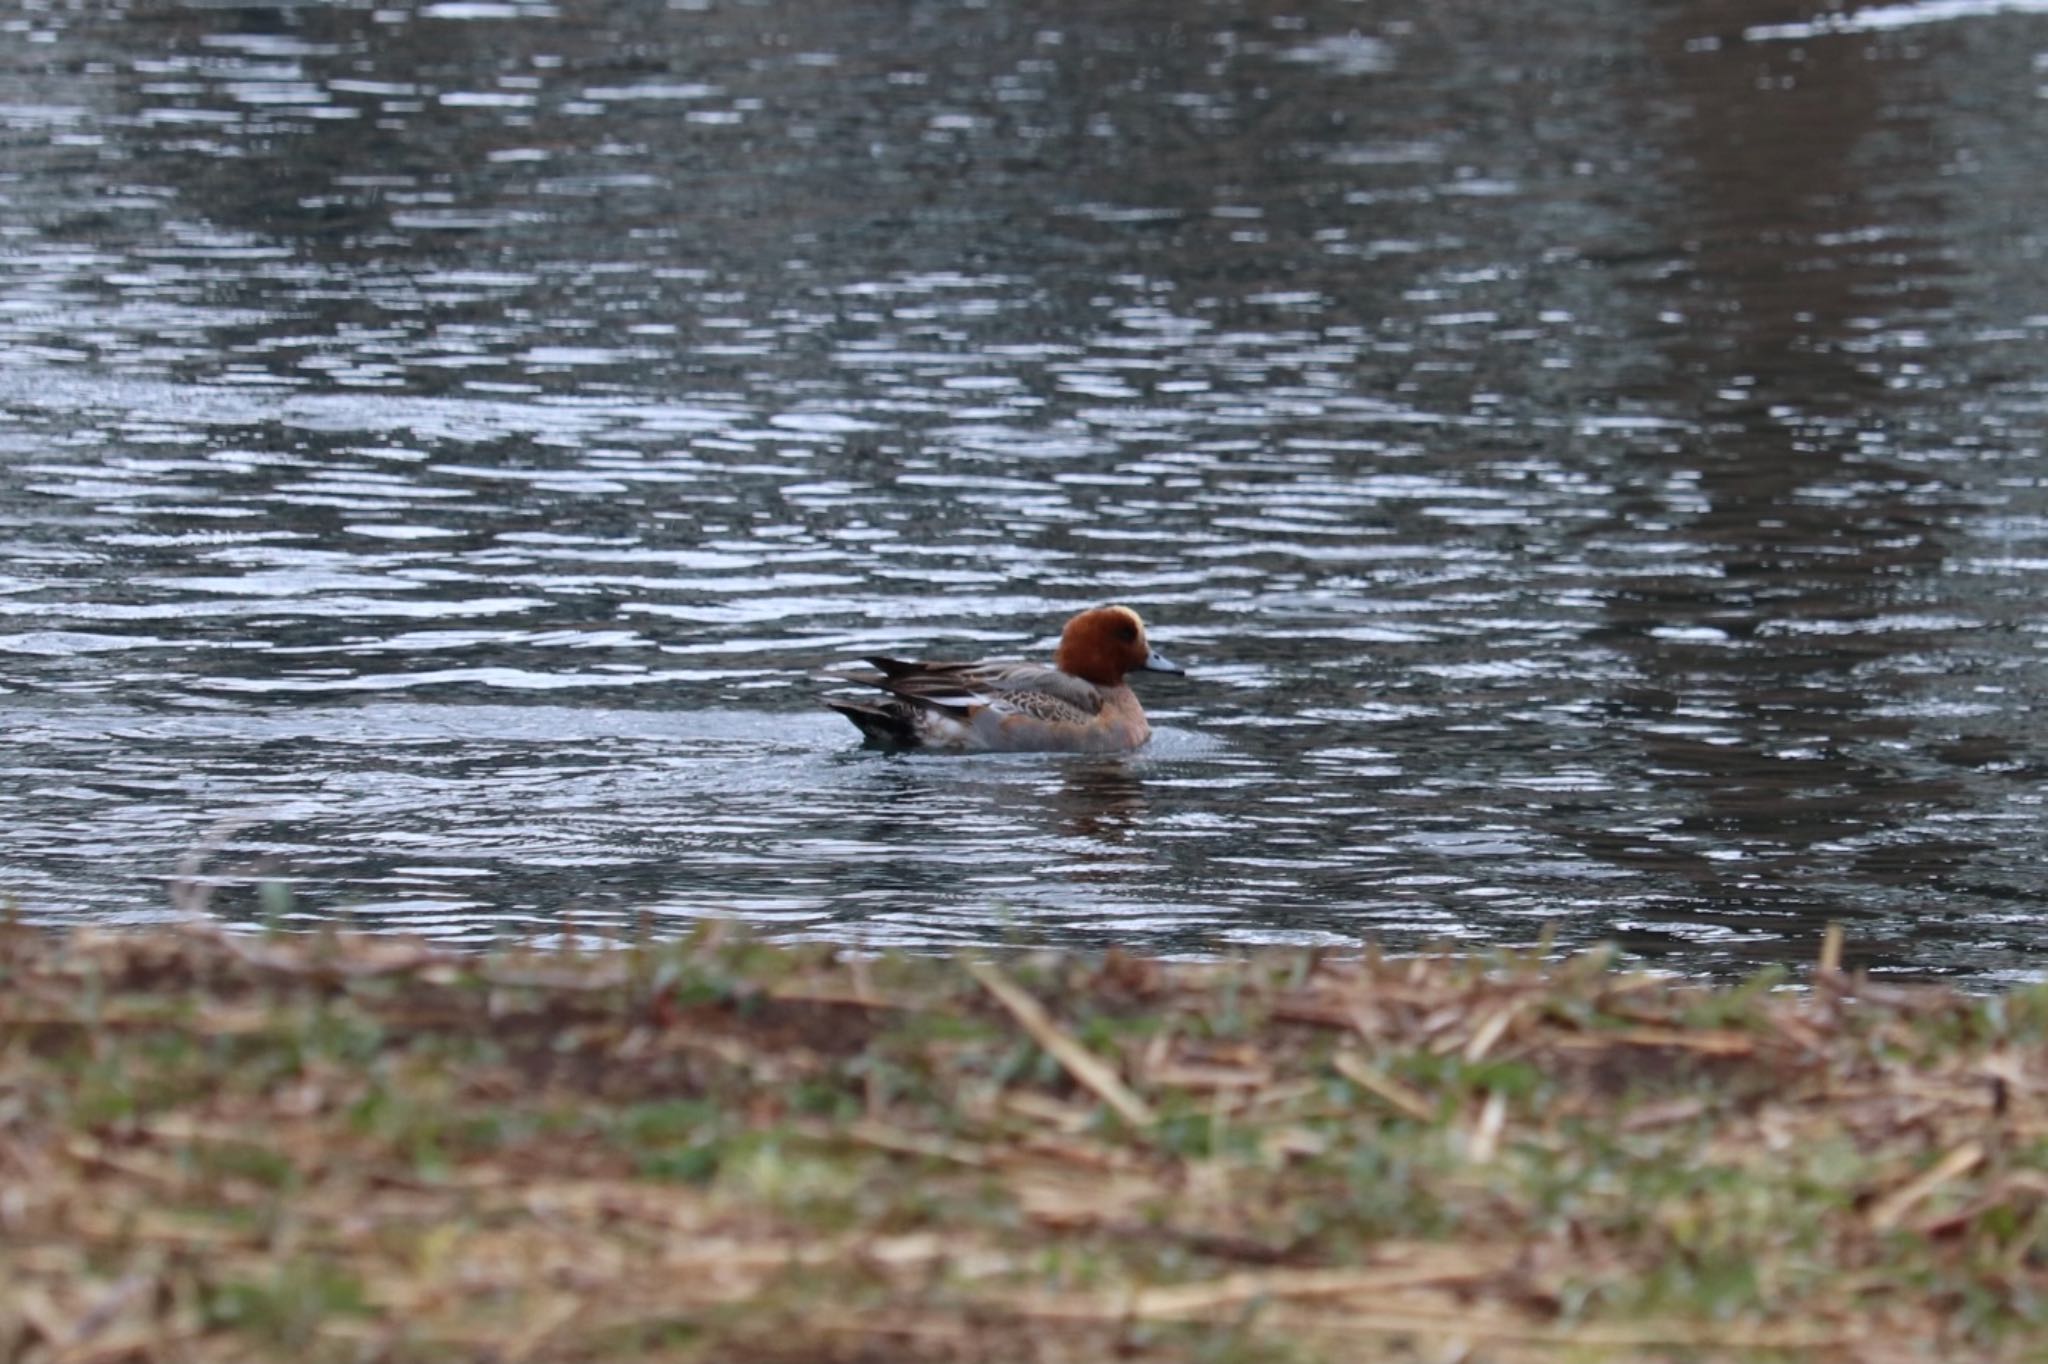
<point>1006,688</point>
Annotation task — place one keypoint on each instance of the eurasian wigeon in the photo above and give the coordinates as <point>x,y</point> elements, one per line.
<point>1079,705</point>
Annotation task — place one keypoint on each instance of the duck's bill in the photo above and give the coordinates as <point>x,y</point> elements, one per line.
<point>1156,662</point>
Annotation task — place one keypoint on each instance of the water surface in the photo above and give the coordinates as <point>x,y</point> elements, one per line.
<point>1589,459</point>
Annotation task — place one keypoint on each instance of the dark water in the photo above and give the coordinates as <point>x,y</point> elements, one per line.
<point>1590,457</point>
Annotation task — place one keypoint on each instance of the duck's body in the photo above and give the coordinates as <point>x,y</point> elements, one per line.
<point>1081,704</point>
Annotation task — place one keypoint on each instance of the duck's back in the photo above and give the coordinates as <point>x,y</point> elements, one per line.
<point>996,708</point>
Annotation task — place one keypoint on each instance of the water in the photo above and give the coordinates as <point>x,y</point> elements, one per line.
<point>1589,459</point>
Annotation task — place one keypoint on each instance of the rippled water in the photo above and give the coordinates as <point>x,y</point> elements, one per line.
<point>1590,458</point>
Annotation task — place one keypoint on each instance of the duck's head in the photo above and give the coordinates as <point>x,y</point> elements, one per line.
<point>1103,644</point>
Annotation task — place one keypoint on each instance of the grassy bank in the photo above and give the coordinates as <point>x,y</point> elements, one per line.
<point>355,1149</point>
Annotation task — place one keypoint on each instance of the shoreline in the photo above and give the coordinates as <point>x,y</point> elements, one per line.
<point>223,1146</point>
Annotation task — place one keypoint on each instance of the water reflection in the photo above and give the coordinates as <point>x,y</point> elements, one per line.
<point>1100,801</point>
<point>1590,463</point>
<point>1807,551</point>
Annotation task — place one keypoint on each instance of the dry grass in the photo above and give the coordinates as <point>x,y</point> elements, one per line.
<point>218,1147</point>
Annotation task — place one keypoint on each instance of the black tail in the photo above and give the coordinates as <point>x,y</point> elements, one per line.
<point>885,725</point>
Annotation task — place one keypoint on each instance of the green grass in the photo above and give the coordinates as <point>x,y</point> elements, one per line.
<point>336,1148</point>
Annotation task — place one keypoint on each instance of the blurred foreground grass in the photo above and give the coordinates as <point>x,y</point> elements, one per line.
<point>330,1148</point>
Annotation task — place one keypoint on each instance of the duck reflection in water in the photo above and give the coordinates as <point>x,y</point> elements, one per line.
<point>1098,799</point>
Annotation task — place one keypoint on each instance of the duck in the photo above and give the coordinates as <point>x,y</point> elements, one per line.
<point>1081,704</point>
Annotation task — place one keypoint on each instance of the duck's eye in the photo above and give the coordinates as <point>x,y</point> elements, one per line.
<point>1127,632</point>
